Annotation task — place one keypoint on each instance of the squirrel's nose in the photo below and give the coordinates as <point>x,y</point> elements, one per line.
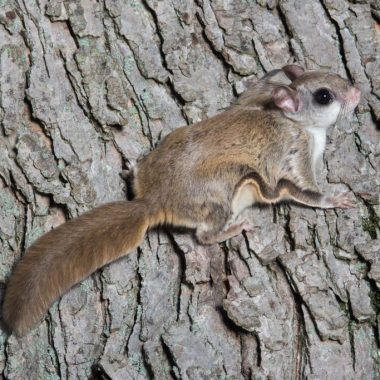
<point>353,95</point>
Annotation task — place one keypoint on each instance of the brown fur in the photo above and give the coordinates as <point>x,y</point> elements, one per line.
<point>70,253</point>
<point>285,190</point>
<point>199,177</point>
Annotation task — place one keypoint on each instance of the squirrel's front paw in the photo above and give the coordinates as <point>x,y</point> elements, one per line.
<point>343,200</point>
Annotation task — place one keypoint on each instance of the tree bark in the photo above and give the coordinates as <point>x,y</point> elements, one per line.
<point>88,86</point>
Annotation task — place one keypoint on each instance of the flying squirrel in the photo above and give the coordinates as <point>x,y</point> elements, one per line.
<point>263,149</point>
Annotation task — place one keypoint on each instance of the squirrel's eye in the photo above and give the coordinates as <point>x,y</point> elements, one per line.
<point>323,96</point>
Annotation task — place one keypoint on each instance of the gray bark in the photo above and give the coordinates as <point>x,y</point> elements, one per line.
<point>88,86</point>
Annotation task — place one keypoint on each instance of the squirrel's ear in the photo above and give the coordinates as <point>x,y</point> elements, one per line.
<point>287,99</point>
<point>293,71</point>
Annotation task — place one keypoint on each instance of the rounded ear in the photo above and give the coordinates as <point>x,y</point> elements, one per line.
<point>286,99</point>
<point>293,71</point>
<point>271,73</point>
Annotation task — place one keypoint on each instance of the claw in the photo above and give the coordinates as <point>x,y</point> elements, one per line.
<point>343,200</point>
<point>126,173</point>
<point>247,226</point>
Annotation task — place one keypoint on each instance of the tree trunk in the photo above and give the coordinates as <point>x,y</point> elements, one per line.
<point>88,86</point>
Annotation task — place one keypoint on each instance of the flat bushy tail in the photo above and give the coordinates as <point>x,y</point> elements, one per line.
<point>70,253</point>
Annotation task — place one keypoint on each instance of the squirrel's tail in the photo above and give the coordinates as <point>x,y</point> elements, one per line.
<point>70,253</point>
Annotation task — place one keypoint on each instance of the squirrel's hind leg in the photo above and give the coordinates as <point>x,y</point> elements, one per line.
<point>220,226</point>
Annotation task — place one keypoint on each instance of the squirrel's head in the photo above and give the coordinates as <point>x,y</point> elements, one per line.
<point>317,98</point>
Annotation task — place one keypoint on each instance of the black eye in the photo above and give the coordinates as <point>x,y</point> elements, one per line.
<point>323,96</point>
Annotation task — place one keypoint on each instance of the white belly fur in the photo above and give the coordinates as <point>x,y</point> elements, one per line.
<point>243,199</point>
<point>318,136</point>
